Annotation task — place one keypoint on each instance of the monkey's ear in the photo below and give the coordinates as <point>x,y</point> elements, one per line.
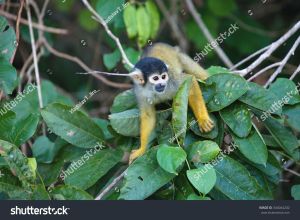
<point>137,77</point>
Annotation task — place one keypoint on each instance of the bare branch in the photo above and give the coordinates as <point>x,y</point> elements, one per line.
<point>295,73</point>
<point>108,31</point>
<point>264,70</point>
<point>177,32</point>
<point>207,34</point>
<point>270,50</point>
<point>283,62</point>
<point>85,67</point>
<point>35,60</point>
<point>35,25</point>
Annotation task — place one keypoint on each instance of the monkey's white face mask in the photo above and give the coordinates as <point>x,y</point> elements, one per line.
<point>159,81</point>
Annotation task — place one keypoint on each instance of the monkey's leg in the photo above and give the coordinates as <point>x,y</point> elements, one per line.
<point>147,125</point>
<point>198,106</point>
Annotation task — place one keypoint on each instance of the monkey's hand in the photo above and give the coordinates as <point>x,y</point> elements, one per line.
<point>206,124</point>
<point>135,154</point>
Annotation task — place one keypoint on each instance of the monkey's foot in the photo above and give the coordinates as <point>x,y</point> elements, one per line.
<point>135,154</point>
<point>206,124</point>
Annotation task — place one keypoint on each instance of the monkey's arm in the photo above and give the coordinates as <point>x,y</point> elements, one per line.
<point>198,106</point>
<point>191,67</point>
<point>146,126</point>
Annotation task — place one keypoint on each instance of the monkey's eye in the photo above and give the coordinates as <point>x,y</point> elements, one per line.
<point>163,76</point>
<point>155,78</point>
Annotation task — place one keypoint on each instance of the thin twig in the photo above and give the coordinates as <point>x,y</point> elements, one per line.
<point>35,60</point>
<point>270,50</point>
<point>108,31</point>
<point>283,62</point>
<point>35,25</point>
<point>174,26</point>
<point>207,34</point>
<point>249,57</point>
<point>295,73</point>
<point>110,186</point>
<point>264,70</point>
<point>17,30</point>
<point>85,67</point>
<point>292,171</point>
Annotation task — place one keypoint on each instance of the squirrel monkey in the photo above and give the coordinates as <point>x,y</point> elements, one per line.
<point>157,77</point>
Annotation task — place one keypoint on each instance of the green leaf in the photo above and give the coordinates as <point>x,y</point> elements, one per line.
<point>180,109</point>
<point>112,59</point>
<point>89,168</point>
<point>133,55</point>
<point>222,8</point>
<point>235,181</point>
<point>144,177</point>
<point>111,11</point>
<point>155,17</point>
<point>65,192</point>
<point>124,101</point>
<point>127,123</point>
<point>203,151</point>
<point>292,116</point>
<point>130,21</point>
<point>229,88</point>
<point>195,197</point>
<point>7,40</point>
<point>213,70</point>
<point>171,159</point>
<point>283,136</point>
<point>143,25</point>
<point>253,147</point>
<point>296,192</point>
<point>85,21</point>
<point>70,126</point>
<point>238,119</point>
<point>260,98</point>
<point>202,179</point>
<point>8,76</point>
<point>17,162</point>
<point>44,150</point>
<point>286,91</point>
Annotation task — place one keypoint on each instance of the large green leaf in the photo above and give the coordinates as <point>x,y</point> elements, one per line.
<point>110,60</point>
<point>292,114</point>
<point>213,70</point>
<point>202,178</point>
<point>143,25</point>
<point>7,39</point>
<point>235,181</point>
<point>144,177</point>
<point>296,192</point>
<point>65,192</point>
<point>229,87</point>
<point>171,159</point>
<point>286,91</point>
<point>203,151</point>
<point>127,123</point>
<point>124,101</point>
<point>193,125</point>
<point>262,99</point>
<point>130,20</point>
<point>94,164</point>
<point>155,17</point>
<point>253,147</point>
<point>111,11</point>
<point>180,108</point>
<point>8,75</point>
<point>76,128</point>
<point>283,136</point>
<point>238,118</point>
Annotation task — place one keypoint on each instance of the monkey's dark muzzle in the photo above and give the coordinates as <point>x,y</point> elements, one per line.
<point>160,88</point>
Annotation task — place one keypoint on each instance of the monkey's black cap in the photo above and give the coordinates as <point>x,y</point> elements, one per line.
<point>150,65</point>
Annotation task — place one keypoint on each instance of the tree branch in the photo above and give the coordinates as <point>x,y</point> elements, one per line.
<point>207,34</point>
<point>108,31</point>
